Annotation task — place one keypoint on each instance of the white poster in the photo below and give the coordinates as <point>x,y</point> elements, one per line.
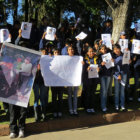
<point>124,44</point>
<point>4,36</point>
<point>50,33</point>
<point>107,58</point>
<point>106,38</point>
<point>61,70</point>
<point>93,72</point>
<point>26,29</point>
<point>136,46</point>
<point>126,57</point>
<point>81,36</point>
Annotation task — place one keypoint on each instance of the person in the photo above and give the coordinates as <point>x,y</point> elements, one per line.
<point>57,92</point>
<point>120,77</point>
<point>72,90</point>
<point>89,85</point>
<point>105,77</point>
<point>40,93</point>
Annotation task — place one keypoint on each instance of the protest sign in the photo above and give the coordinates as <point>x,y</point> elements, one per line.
<point>135,46</point>
<point>93,73</point>
<point>106,38</point>
<point>124,44</point>
<point>18,67</point>
<point>4,36</point>
<point>50,33</point>
<point>26,30</point>
<point>126,57</point>
<point>107,58</point>
<point>81,36</point>
<point>61,70</point>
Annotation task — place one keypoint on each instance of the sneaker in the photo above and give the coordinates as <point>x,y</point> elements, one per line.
<point>104,110</point>
<point>117,109</point>
<point>55,115</point>
<point>75,113</point>
<point>88,110</point>
<point>60,114</point>
<point>123,109</point>
<point>71,112</point>
<point>92,110</point>
<point>138,99</point>
<point>21,134</point>
<point>12,135</point>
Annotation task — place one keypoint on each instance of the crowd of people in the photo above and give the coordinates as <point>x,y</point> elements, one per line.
<point>91,49</point>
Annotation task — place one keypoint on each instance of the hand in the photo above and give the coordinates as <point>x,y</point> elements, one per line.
<point>119,77</point>
<point>98,69</point>
<point>83,62</point>
<point>134,59</point>
<point>126,49</point>
<point>44,34</point>
<point>112,60</point>
<point>77,39</point>
<point>130,61</point>
<point>100,42</point>
<point>88,68</point>
<point>10,36</point>
<point>103,63</point>
<point>19,33</point>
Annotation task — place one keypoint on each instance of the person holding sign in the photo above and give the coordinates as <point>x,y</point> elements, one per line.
<point>105,77</point>
<point>120,77</point>
<point>89,84</point>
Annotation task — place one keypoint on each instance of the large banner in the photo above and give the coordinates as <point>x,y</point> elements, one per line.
<point>18,68</point>
<point>61,70</point>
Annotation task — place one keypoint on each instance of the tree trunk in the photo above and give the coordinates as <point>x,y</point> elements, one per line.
<point>15,10</point>
<point>120,15</point>
<point>26,10</point>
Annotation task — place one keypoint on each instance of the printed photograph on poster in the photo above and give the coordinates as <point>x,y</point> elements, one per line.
<point>18,68</point>
<point>93,73</point>
<point>81,36</point>
<point>126,57</point>
<point>106,38</point>
<point>124,44</point>
<point>4,36</point>
<point>50,33</point>
<point>136,46</point>
<point>26,29</point>
<point>107,58</point>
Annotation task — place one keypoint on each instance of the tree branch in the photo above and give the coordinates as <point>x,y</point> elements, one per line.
<point>110,4</point>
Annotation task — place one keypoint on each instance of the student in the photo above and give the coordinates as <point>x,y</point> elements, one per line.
<point>105,77</point>
<point>120,75</point>
<point>68,43</point>
<point>72,90</point>
<point>57,92</point>
<point>89,85</point>
<point>40,93</point>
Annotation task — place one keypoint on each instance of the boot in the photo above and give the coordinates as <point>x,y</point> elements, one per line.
<point>36,113</point>
<point>44,117</point>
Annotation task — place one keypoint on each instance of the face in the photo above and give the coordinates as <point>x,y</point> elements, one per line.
<point>43,52</point>
<point>70,51</point>
<point>96,46</point>
<point>122,37</point>
<point>56,53</point>
<point>90,53</point>
<point>103,50</point>
<point>117,51</point>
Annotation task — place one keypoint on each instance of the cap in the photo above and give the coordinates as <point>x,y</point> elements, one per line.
<point>122,33</point>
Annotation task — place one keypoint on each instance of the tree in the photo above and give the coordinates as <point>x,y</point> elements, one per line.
<point>120,15</point>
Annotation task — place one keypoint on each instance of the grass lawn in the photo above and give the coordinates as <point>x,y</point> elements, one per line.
<point>4,119</point>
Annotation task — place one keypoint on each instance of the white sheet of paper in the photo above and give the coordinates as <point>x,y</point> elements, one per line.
<point>81,36</point>
<point>106,38</point>
<point>26,29</point>
<point>126,57</point>
<point>107,59</point>
<point>124,44</point>
<point>93,73</point>
<point>50,33</point>
<point>4,36</point>
<point>61,70</point>
<point>136,46</point>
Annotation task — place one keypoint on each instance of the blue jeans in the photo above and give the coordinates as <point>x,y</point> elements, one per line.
<point>40,92</point>
<point>72,90</point>
<point>105,82</point>
<point>120,91</point>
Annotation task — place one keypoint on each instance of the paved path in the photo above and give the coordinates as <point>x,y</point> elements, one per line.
<point>122,131</point>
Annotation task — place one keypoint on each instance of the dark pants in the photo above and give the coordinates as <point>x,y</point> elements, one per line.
<point>17,118</point>
<point>89,88</point>
<point>57,92</point>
